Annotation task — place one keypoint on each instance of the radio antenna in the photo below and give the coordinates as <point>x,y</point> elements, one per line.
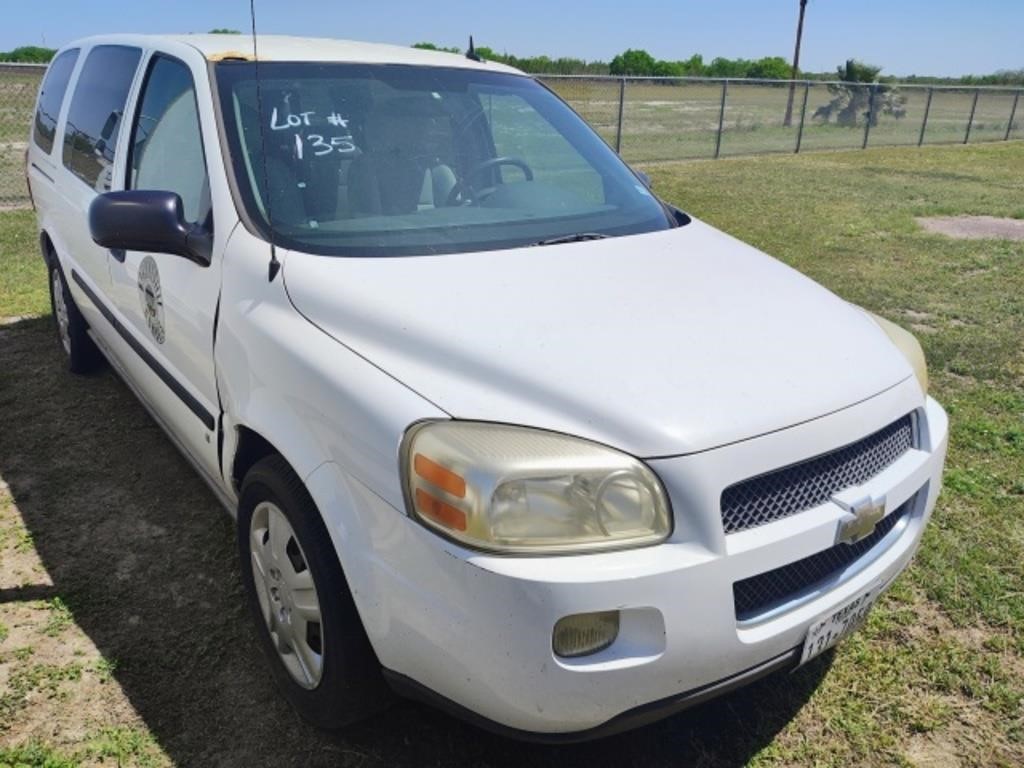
<point>275,265</point>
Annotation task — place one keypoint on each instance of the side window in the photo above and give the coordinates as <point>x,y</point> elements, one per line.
<point>520,131</point>
<point>166,144</point>
<point>51,96</point>
<point>95,114</point>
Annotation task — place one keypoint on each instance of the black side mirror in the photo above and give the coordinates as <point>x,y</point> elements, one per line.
<point>148,220</point>
<point>109,125</point>
<point>644,178</point>
<point>106,132</point>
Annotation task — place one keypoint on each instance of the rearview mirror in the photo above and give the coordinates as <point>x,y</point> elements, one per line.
<point>147,220</point>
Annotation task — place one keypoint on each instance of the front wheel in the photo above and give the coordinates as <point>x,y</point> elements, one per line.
<point>307,621</point>
<point>80,351</point>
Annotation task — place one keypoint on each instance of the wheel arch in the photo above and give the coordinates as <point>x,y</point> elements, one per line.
<point>250,448</point>
<point>46,246</point>
<point>250,440</point>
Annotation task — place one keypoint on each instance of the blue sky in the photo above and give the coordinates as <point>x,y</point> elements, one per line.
<point>939,37</point>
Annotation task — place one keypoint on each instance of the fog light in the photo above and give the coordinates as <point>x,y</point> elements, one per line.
<point>585,633</point>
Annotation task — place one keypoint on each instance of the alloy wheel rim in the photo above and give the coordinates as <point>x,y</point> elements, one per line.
<point>61,311</point>
<point>287,595</point>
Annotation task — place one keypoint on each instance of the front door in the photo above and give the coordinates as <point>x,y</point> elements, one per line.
<point>169,303</point>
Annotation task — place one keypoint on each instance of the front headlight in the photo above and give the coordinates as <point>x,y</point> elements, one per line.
<point>518,490</point>
<point>908,345</point>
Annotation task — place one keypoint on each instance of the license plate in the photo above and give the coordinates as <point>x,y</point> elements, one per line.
<point>828,630</point>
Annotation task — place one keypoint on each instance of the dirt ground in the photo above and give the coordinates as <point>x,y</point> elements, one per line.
<point>974,227</point>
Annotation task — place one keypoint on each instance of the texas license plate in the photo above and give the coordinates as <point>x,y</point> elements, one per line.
<point>828,630</point>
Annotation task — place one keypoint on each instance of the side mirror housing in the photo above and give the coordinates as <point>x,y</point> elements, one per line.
<point>109,125</point>
<point>644,178</point>
<point>147,220</point>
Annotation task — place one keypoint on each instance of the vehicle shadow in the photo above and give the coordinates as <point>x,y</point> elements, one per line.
<point>144,557</point>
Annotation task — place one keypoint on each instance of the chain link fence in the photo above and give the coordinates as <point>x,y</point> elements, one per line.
<point>659,119</point>
<point>19,84</point>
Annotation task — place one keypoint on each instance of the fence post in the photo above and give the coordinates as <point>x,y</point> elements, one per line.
<point>618,128</point>
<point>970,120</point>
<point>924,123</point>
<point>803,114</point>
<point>1013,114</point>
<point>871,115</point>
<point>721,119</point>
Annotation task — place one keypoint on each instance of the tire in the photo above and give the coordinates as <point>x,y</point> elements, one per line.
<point>80,351</point>
<point>349,686</point>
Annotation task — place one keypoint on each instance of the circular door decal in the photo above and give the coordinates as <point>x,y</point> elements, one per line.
<point>151,299</point>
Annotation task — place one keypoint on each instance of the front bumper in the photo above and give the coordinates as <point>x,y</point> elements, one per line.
<point>645,714</point>
<point>476,629</point>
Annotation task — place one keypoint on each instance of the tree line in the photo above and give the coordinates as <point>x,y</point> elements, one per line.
<point>1002,77</point>
<point>634,62</point>
<point>28,54</point>
<point>640,63</point>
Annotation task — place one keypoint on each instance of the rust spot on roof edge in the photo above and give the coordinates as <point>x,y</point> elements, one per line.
<point>226,55</point>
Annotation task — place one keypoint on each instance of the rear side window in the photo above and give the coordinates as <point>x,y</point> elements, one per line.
<point>95,114</point>
<point>51,96</point>
<point>166,145</point>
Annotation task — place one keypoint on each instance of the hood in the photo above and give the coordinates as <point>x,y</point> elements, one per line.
<point>658,344</point>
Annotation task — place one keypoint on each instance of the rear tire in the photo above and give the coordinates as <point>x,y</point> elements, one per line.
<point>306,620</point>
<point>80,351</point>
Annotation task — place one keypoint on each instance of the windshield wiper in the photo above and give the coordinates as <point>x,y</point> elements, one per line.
<point>576,238</point>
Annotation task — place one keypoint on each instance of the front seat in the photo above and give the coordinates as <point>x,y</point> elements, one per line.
<point>397,172</point>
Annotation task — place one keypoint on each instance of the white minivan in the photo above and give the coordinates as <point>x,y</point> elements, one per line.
<point>501,430</point>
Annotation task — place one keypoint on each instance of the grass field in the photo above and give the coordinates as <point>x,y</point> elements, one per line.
<point>123,638</point>
<point>663,120</point>
<point>680,119</point>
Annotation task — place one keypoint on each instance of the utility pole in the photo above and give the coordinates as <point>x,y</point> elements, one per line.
<point>796,65</point>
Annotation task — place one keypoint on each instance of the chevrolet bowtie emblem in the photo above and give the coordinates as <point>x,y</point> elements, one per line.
<point>860,519</point>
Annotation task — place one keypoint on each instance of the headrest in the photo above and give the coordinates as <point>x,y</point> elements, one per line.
<point>402,126</point>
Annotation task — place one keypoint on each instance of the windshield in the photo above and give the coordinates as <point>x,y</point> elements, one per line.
<point>388,160</point>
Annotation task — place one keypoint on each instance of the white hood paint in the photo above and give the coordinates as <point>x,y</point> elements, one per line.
<point>658,344</point>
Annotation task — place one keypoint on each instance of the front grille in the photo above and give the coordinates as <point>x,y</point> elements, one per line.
<point>757,594</point>
<point>802,486</point>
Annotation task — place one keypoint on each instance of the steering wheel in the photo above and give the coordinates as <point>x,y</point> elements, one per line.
<point>463,188</point>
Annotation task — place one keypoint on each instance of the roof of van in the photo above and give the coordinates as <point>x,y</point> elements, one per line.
<point>287,48</point>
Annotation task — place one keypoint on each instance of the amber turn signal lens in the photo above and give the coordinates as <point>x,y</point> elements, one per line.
<point>437,510</point>
<point>443,478</point>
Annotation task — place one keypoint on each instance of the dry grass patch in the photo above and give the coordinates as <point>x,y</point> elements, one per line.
<point>974,227</point>
<point>58,700</point>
